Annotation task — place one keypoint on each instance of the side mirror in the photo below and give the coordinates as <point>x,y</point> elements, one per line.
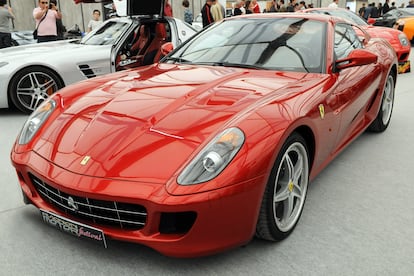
<point>166,48</point>
<point>357,57</point>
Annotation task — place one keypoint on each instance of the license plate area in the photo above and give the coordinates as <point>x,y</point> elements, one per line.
<point>74,228</point>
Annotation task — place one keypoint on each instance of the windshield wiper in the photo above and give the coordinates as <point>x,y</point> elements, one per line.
<point>231,64</point>
<point>177,60</point>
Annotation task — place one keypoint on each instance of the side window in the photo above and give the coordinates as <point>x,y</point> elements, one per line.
<point>346,40</point>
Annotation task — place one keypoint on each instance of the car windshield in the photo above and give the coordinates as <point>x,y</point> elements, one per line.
<point>106,34</point>
<point>406,12</point>
<point>290,44</point>
<point>400,12</point>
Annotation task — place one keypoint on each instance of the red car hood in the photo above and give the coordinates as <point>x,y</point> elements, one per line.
<point>144,126</point>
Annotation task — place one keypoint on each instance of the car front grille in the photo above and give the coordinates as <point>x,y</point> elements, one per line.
<point>108,213</point>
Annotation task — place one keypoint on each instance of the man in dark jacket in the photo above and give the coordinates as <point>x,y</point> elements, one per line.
<point>386,7</point>
<point>206,13</point>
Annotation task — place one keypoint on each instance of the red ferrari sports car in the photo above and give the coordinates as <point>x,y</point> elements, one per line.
<point>213,145</point>
<point>396,38</point>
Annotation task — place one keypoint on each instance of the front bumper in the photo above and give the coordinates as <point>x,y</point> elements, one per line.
<point>223,218</point>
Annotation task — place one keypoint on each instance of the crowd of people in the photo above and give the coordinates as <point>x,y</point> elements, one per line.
<point>288,6</point>
<point>211,9</point>
<point>48,19</point>
<point>375,11</point>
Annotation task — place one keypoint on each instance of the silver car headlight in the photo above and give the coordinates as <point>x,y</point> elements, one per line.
<point>214,158</point>
<point>35,121</point>
<point>403,39</point>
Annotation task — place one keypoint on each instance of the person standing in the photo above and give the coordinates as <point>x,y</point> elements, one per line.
<point>386,7</point>
<point>206,13</point>
<point>334,4</point>
<point>242,4</point>
<point>362,10</point>
<point>6,14</point>
<point>95,21</point>
<point>274,7</point>
<point>374,11</point>
<point>168,9</point>
<point>291,6</point>
<point>256,7</point>
<point>282,6</point>
<point>60,28</point>
<point>248,7</point>
<point>45,18</point>
<point>217,11</point>
<point>188,14</point>
<point>237,10</point>
<point>367,12</point>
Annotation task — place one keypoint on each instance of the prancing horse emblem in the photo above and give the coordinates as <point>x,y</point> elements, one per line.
<point>72,204</point>
<point>322,111</point>
<point>85,160</point>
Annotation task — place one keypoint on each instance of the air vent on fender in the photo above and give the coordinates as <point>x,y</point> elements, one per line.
<point>87,71</point>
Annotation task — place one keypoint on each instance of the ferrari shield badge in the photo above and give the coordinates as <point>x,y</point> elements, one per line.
<point>322,111</point>
<point>85,160</point>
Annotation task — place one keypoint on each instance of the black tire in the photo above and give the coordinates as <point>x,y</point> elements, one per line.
<point>31,86</point>
<point>286,190</point>
<point>383,118</point>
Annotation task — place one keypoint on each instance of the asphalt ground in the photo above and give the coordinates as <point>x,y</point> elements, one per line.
<point>358,219</point>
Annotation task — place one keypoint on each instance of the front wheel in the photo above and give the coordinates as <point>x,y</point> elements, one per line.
<point>285,192</point>
<point>383,118</point>
<point>32,86</point>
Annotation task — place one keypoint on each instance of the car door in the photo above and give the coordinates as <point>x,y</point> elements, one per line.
<point>124,54</point>
<point>149,14</point>
<point>355,85</point>
<point>96,47</point>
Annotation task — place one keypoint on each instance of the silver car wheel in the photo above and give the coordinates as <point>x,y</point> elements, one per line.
<point>383,118</point>
<point>388,100</point>
<point>290,187</point>
<point>32,86</point>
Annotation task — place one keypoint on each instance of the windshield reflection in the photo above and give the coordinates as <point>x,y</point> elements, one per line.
<point>106,34</point>
<point>291,44</point>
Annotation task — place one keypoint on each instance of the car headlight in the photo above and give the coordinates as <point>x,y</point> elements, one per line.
<point>213,158</point>
<point>401,22</point>
<point>403,39</point>
<point>35,121</point>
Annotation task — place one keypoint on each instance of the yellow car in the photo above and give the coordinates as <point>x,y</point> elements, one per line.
<point>406,25</point>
